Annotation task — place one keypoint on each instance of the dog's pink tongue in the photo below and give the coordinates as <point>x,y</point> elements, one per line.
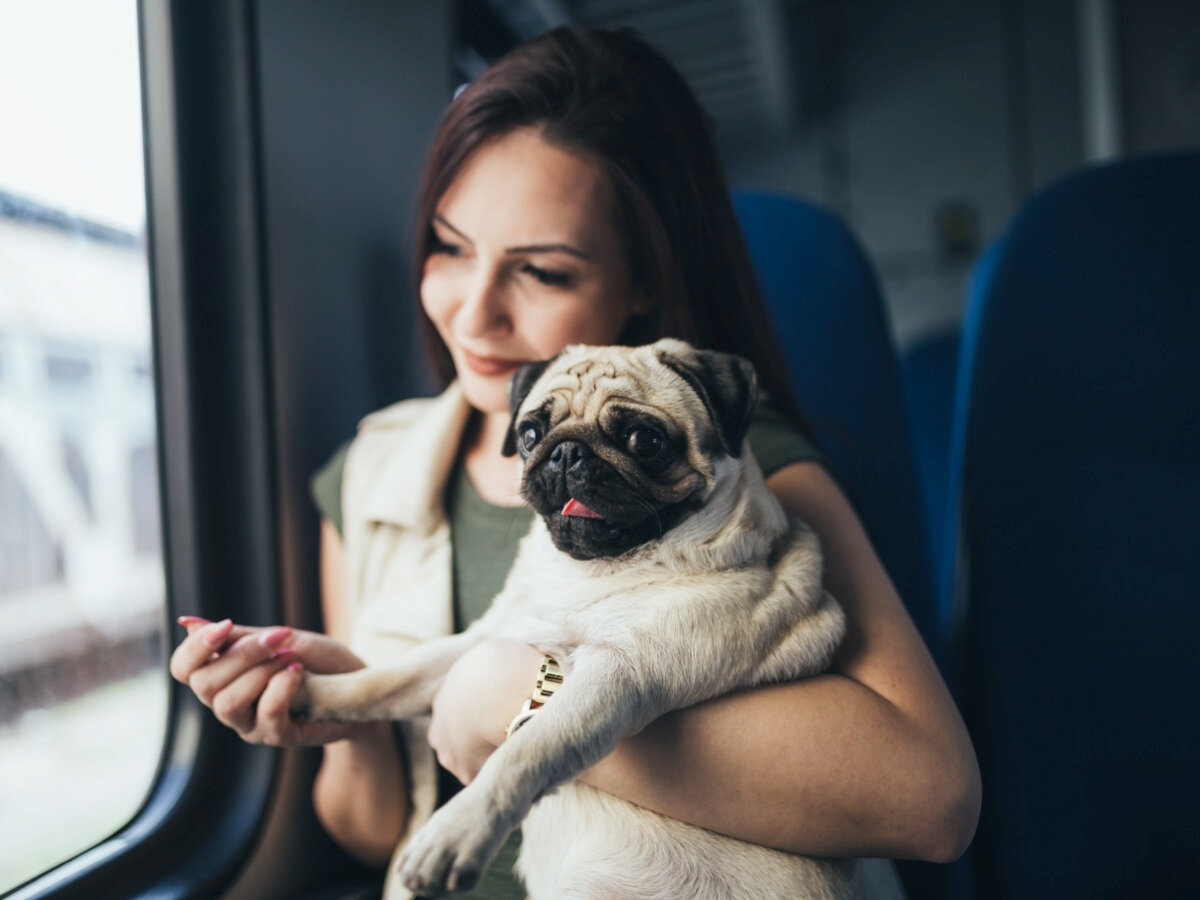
<point>575,508</point>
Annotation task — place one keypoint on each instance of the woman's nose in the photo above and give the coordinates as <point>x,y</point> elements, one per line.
<point>484,308</point>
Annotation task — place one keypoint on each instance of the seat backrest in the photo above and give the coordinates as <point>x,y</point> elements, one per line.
<point>928,369</point>
<point>831,322</point>
<point>1078,442</point>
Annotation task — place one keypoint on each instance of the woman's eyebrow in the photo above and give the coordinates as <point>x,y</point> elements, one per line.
<point>548,248</point>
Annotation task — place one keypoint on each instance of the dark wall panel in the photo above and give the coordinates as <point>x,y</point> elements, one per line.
<point>1160,73</point>
<point>350,94</point>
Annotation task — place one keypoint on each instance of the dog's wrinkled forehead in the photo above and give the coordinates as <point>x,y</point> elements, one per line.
<point>582,381</point>
<point>706,396</point>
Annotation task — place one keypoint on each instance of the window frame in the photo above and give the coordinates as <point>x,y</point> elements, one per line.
<point>215,442</point>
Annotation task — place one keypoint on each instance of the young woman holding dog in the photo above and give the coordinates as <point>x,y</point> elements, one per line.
<point>573,195</point>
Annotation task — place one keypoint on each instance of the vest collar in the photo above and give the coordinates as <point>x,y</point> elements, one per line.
<point>409,487</point>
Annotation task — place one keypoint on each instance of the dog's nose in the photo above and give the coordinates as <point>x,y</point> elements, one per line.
<point>568,453</point>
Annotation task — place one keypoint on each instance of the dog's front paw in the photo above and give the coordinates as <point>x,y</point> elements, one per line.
<point>314,700</point>
<point>450,852</point>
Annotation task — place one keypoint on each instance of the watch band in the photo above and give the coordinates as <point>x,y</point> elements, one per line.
<point>550,678</point>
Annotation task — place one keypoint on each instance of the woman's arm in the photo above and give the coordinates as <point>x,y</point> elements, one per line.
<point>871,759</point>
<point>361,792</point>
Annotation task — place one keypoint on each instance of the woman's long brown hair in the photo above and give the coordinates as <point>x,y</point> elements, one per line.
<point>614,99</point>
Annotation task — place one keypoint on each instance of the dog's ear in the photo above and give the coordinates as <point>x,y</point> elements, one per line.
<point>726,383</point>
<point>518,389</point>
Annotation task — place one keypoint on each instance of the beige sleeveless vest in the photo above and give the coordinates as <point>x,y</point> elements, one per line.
<point>398,562</point>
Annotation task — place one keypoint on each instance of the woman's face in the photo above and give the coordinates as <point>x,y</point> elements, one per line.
<point>525,259</point>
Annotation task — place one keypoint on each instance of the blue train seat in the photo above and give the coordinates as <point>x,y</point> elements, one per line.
<point>928,369</point>
<point>1077,466</point>
<point>831,322</point>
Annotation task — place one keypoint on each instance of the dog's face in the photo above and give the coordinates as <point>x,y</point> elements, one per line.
<point>621,444</point>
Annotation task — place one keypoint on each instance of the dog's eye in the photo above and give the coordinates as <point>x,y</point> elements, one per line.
<point>644,443</point>
<point>530,435</point>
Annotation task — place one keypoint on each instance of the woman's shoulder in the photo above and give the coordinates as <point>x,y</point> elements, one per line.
<point>776,441</point>
<point>406,434</point>
<point>397,434</point>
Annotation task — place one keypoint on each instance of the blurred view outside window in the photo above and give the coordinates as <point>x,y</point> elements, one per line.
<point>83,689</point>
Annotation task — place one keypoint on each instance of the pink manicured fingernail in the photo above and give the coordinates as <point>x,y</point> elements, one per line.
<point>276,636</point>
<point>216,633</point>
<point>189,621</point>
<point>282,653</point>
<point>295,667</point>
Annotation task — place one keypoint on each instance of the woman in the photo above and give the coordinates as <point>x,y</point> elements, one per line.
<point>573,195</point>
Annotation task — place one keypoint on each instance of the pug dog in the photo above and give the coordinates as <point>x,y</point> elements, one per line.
<point>661,572</point>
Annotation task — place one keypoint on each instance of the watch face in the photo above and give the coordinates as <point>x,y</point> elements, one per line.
<point>550,679</point>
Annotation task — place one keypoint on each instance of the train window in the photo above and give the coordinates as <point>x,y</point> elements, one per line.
<point>83,688</point>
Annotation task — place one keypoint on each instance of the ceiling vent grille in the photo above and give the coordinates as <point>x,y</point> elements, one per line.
<point>734,53</point>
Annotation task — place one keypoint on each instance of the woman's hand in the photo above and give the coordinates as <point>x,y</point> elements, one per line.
<point>481,694</point>
<point>248,676</point>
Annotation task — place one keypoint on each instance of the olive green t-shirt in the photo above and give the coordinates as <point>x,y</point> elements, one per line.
<point>774,440</point>
<point>493,533</point>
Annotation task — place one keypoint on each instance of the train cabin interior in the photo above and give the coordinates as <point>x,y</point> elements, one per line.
<point>977,227</point>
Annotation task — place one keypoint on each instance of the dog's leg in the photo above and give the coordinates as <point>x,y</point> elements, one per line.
<point>594,708</point>
<point>399,691</point>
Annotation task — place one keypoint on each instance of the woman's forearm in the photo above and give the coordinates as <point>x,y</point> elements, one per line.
<point>823,767</point>
<point>361,793</point>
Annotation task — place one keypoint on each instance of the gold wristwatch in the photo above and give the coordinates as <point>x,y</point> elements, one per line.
<point>550,678</point>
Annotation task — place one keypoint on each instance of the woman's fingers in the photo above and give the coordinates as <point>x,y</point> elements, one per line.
<point>198,647</point>
<point>194,624</point>
<point>277,725</point>
<point>236,704</point>
<point>205,641</point>
<point>275,722</point>
<point>242,655</point>
<point>274,706</point>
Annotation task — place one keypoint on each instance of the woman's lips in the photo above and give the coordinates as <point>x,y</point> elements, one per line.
<point>489,365</point>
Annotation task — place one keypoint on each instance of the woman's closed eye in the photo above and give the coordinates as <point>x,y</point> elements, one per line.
<point>437,245</point>
<point>548,277</point>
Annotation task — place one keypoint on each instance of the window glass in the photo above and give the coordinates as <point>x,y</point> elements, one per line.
<point>83,686</point>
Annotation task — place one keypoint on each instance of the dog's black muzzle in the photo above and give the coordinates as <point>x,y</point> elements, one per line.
<point>571,470</point>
